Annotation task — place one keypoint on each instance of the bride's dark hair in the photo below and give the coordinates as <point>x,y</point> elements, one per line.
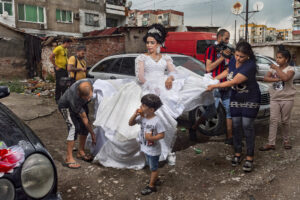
<point>158,32</point>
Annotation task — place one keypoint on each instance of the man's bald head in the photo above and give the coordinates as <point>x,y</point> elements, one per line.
<point>85,90</point>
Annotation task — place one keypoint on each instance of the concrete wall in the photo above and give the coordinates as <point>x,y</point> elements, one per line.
<point>12,54</point>
<point>266,51</point>
<point>97,49</point>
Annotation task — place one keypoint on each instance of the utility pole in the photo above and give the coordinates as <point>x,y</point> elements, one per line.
<point>247,12</point>
<point>211,13</point>
<point>234,32</point>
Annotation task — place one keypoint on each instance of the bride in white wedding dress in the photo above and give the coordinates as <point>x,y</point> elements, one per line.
<point>180,90</point>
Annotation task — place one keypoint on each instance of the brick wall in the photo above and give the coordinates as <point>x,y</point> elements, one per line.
<point>97,48</point>
<point>13,68</point>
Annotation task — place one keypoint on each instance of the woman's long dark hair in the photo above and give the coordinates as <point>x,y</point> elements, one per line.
<point>245,48</point>
<point>159,33</point>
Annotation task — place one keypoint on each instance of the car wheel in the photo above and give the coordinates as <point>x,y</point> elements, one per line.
<point>212,127</point>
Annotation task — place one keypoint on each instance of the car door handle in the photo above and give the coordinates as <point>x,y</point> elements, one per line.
<point>112,77</point>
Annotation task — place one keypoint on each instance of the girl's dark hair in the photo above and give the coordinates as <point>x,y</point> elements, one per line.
<point>152,101</point>
<point>285,53</point>
<point>245,48</point>
<point>158,32</point>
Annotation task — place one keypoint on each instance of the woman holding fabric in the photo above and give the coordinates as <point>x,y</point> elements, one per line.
<point>244,101</point>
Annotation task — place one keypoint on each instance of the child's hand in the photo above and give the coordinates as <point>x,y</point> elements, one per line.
<point>148,136</point>
<point>139,112</point>
<point>273,66</point>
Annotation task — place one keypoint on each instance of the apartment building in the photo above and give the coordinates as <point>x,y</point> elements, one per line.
<point>284,34</point>
<point>68,17</point>
<point>271,34</point>
<point>168,18</point>
<point>262,33</point>
<point>296,23</point>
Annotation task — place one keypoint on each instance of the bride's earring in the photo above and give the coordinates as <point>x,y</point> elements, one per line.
<point>158,49</point>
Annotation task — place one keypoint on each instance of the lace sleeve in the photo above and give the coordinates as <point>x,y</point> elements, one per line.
<point>139,68</point>
<point>170,66</point>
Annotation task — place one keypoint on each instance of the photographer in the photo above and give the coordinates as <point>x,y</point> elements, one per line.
<point>215,61</point>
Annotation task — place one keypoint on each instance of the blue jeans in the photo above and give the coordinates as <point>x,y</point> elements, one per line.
<point>152,162</point>
<point>224,95</point>
<point>246,125</point>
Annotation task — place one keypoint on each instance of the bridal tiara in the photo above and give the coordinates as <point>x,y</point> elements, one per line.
<point>154,30</point>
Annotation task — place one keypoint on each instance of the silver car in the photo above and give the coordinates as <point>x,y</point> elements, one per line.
<point>264,62</point>
<point>123,66</point>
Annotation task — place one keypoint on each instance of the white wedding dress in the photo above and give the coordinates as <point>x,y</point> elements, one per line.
<point>117,100</point>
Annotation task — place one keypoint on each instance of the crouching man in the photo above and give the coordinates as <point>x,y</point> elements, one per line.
<point>73,107</point>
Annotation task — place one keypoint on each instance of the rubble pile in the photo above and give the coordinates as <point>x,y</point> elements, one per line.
<point>39,87</point>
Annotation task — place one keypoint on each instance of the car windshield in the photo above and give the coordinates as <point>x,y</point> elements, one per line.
<point>190,63</point>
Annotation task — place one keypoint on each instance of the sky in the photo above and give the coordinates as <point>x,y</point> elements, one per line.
<point>275,13</point>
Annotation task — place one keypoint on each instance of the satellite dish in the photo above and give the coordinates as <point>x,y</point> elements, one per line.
<point>258,6</point>
<point>129,4</point>
<point>237,8</point>
<point>5,14</point>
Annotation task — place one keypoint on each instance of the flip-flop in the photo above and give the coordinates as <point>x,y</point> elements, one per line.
<point>69,165</point>
<point>86,158</point>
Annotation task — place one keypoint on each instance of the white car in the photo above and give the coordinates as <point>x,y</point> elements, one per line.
<point>123,66</point>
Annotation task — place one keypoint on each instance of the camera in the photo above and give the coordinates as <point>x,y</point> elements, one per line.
<point>221,47</point>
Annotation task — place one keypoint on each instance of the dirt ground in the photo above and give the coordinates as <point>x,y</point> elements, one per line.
<point>207,175</point>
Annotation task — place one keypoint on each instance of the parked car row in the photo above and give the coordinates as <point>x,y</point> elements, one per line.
<point>123,67</point>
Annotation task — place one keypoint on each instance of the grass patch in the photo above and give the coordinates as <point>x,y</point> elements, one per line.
<point>14,86</point>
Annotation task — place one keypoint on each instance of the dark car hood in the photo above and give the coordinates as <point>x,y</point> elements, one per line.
<point>14,132</point>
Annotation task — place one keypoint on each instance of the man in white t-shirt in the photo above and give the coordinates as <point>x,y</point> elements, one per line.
<point>152,130</point>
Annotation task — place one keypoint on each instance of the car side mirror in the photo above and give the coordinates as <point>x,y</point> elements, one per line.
<point>4,91</point>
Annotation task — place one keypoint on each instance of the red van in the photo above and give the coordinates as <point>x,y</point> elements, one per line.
<point>189,43</point>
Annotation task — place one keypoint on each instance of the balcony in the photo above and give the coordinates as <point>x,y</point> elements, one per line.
<point>116,7</point>
<point>296,4</point>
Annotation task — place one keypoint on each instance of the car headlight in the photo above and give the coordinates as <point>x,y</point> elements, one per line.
<point>7,190</point>
<point>37,175</point>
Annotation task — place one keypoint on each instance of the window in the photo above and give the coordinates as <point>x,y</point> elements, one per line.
<point>110,22</point>
<point>147,15</point>
<point>109,66</point>
<point>260,60</point>
<point>64,16</point>
<point>6,6</point>
<point>203,44</point>
<point>29,13</point>
<point>91,19</point>
<point>190,63</point>
<point>128,66</point>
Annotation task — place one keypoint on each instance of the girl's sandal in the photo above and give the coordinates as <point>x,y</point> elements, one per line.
<point>287,145</point>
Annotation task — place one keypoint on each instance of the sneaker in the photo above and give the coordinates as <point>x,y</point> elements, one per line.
<point>248,166</point>
<point>236,160</point>
<point>229,141</point>
<point>148,190</point>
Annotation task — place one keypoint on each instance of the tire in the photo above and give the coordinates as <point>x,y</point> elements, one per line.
<point>214,126</point>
